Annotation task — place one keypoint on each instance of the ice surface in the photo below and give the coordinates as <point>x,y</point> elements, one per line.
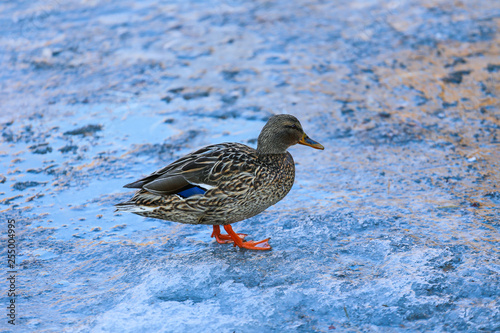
<point>394,227</point>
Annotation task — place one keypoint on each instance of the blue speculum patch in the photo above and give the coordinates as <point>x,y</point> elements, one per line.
<point>189,192</point>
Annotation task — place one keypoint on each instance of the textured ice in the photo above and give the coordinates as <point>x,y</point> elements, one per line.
<point>394,227</point>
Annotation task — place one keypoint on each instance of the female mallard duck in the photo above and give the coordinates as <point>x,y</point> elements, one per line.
<point>224,183</point>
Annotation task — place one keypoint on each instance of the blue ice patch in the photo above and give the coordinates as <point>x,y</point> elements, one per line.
<point>191,191</point>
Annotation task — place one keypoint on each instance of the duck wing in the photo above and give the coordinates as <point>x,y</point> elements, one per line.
<point>194,173</point>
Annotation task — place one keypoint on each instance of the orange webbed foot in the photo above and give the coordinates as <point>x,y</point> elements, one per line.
<point>224,239</point>
<point>251,245</point>
<point>256,245</point>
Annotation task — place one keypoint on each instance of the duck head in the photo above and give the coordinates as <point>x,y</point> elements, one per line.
<point>282,131</point>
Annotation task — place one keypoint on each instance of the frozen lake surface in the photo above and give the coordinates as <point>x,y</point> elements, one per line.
<point>394,227</point>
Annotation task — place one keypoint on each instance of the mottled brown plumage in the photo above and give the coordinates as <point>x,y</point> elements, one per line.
<point>224,183</point>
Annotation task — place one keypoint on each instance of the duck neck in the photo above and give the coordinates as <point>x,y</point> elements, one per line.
<point>271,147</point>
<point>270,152</point>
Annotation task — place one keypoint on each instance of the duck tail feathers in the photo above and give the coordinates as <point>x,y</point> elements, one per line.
<point>132,208</point>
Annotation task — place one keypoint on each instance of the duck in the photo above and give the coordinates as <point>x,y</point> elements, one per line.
<point>224,183</point>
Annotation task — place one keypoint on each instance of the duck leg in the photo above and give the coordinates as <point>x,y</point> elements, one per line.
<point>251,245</point>
<point>224,239</point>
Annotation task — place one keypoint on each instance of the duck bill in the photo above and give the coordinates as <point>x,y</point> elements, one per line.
<point>307,141</point>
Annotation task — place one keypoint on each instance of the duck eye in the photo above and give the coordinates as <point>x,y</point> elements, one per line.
<point>292,126</point>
